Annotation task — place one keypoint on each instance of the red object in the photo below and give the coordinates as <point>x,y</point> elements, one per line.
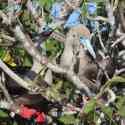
<point>40,117</point>
<point>28,113</point>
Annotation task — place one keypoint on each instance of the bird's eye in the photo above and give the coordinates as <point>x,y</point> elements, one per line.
<point>44,28</point>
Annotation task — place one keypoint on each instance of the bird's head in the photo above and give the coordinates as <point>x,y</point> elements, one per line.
<point>45,30</point>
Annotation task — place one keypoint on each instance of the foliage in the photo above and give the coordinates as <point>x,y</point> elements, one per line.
<point>61,91</point>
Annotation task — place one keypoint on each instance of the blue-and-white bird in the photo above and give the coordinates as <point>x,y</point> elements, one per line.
<point>87,44</point>
<point>56,10</point>
<point>74,19</point>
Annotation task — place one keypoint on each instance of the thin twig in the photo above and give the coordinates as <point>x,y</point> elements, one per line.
<point>58,36</point>
<point>14,76</point>
<point>116,2</point>
<point>118,41</point>
<point>109,9</point>
<point>100,39</point>
<point>6,37</point>
<point>5,18</point>
<point>6,44</point>
<point>6,94</point>
<point>118,72</point>
<point>98,18</point>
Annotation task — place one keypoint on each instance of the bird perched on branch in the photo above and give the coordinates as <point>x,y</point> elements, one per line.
<point>75,54</point>
<point>72,44</point>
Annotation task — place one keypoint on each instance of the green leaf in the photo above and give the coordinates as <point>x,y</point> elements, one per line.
<point>46,3</point>
<point>90,106</point>
<point>2,53</point>
<point>27,61</point>
<point>19,51</point>
<point>120,104</point>
<point>3,114</point>
<point>52,47</point>
<point>120,101</point>
<point>98,1</point>
<point>107,110</point>
<point>114,81</point>
<point>68,119</point>
<point>121,111</point>
<point>54,91</point>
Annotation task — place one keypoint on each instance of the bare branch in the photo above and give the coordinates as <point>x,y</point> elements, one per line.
<point>118,41</point>
<point>31,49</point>
<point>15,77</point>
<point>29,46</point>
<point>9,38</point>
<point>100,39</point>
<point>5,92</point>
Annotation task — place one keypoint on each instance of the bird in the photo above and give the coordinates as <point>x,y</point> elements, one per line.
<point>72,43</point>
<point>60,11</point>
<point>56,9</point>
<point>75,57</point>
<point>83,38</point>
<point>73,19</point>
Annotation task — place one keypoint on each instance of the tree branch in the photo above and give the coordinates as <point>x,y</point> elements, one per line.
<point>31,49</point>
<point>5,92</point>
